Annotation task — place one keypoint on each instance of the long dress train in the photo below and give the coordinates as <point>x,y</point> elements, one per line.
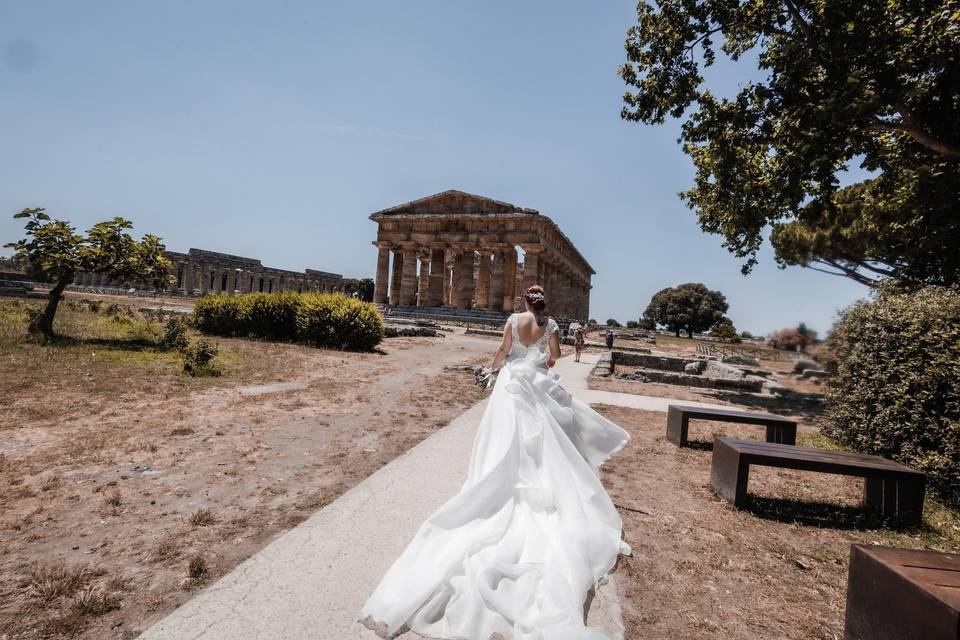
<point>530,532</point>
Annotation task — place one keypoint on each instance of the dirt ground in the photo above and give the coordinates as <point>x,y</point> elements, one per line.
<point>702,569</point>
<point>125,484</point>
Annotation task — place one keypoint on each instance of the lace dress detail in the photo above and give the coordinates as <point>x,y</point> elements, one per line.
<point>515,552</point>
<point>518,349</point>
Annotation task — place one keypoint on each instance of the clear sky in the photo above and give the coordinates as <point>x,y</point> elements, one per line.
<point>273,129</point>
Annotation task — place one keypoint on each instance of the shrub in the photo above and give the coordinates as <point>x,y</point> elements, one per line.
<point>724,330</point>
<point>612,323</point>
<point>896,391</point>
<point>324,320</point>
<point>632,324</point>
<point>198,358</point>
<point>175,334</point>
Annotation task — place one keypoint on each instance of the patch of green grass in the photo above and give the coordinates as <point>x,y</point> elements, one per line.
<point>94,345</point>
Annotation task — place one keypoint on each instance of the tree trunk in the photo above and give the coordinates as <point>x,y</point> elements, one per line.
<point>44,322</point>
<point>678,333</point>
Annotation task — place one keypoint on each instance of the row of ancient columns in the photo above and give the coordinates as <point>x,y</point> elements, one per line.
<point>202,278</point>
<point>464,277</point>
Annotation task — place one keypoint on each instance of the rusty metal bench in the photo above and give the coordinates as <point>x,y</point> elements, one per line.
<point>901,594</point>
<point>894,490</point>
<point>779,429</point>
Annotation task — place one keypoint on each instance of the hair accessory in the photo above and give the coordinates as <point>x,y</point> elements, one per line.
<point>536,295</point>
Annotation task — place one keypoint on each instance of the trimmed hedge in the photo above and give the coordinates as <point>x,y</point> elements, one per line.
<point>324,320</point>
<point>896,391</point>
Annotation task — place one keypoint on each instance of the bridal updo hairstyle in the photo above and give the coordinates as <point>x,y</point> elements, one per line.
<point>536,298</point>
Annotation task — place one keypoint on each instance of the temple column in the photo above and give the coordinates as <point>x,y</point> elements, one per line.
<point>396,276</point>
<point>408,278</point>
<point>423,279</point>
<point>497,283</point>
<point>231,281</point>
<point>531,267</point>
<point>483,280</point>
<point>462,294</point>
<point>509,279</point>
<point>189,278</point>
<point>435,286</point>
<point>381,283</point>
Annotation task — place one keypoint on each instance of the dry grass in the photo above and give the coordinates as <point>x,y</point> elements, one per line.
<point>203,517</point>
<point>197,572</point>
<point>95,601</point>
<point>49,581</point>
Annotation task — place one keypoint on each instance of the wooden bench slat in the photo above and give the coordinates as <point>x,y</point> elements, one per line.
<point>694,411</point>
<point>771,452</point>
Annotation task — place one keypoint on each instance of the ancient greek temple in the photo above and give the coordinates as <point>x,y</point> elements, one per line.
<point>199,272</point>
<point>461,250</point>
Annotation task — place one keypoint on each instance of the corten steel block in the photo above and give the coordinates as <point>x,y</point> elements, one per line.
<point>677,426</point>
<point>900,594</point>
<point>729,474</point>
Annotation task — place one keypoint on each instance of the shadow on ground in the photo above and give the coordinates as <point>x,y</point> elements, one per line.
<point>810,513</point>
<point>120,344</point>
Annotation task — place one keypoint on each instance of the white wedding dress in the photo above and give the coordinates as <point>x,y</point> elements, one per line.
<point>530,532</point>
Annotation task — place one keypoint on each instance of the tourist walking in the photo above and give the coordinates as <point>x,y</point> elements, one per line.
<point>609,337</point>
<point>578,343</point>
<point>532,530</point>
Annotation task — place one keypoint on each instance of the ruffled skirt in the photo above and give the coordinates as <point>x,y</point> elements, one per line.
<point>531,531</point>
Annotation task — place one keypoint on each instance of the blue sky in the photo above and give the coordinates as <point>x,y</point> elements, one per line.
<point>272,130</point>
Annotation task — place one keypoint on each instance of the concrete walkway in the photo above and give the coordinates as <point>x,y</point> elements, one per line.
<point>311,581</point>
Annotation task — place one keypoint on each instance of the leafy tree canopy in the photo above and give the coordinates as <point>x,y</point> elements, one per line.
<point>690,307</point>
<point>56,251</point>
<point>843,82</point>
<point>724,330</point>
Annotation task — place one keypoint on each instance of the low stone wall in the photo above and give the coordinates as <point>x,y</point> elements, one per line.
<point>397,331</point>
<point>687,380</point>
<point>635,358</point>
<point>604,366</point>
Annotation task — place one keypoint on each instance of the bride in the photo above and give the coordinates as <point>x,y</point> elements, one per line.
<point>532,530</point>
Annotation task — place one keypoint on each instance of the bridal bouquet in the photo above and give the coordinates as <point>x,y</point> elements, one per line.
<point>485,377</point>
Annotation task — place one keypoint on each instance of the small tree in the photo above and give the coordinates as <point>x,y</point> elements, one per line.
<point>689,307</point>
<point>362,287</point>
<point>612,323</point>
<point>792,338</point>
<point>58,253</point>
<point>633,324</point>
<point>724,330</point>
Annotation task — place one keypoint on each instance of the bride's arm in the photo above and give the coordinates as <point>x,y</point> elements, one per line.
<point>554,348</point>
<point>504,348</point>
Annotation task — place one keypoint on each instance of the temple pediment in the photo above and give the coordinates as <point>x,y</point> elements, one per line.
<point>454,202</point>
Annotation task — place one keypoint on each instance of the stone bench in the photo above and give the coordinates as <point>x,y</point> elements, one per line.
<point>779,429</point>
<point>892,489</point>
<point>901,594</point>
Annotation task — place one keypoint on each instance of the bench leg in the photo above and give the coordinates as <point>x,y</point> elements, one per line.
<point>677,426</point>
<point>895,498</point>
<point>729,474</point>
<point>782,433</point>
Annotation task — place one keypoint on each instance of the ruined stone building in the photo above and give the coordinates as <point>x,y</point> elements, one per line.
<point>461,250</point>
<point>198,272</point>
